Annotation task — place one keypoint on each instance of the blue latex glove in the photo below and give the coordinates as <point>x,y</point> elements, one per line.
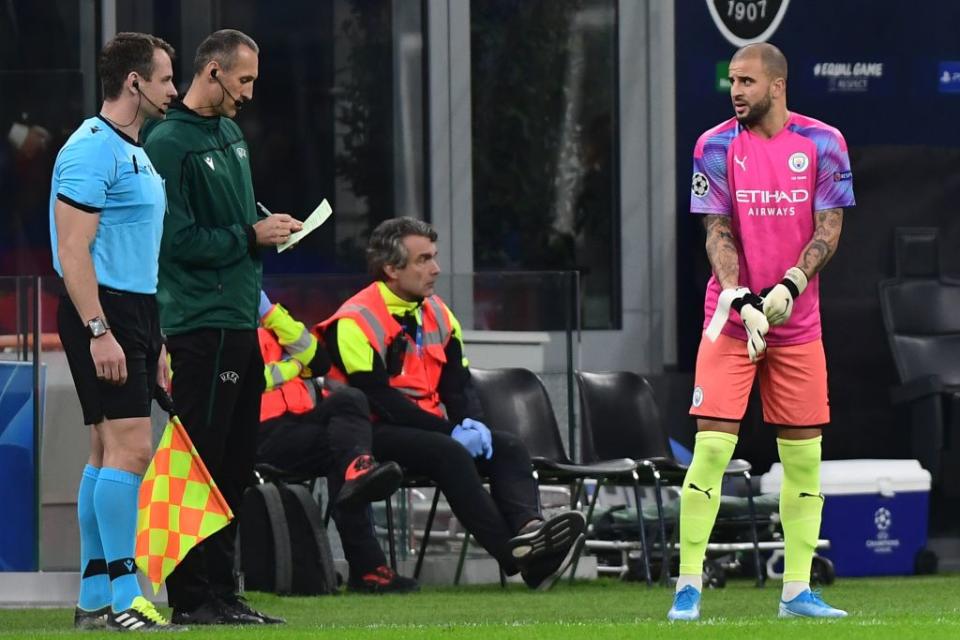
<point>471,439</point>
<point>265,304</point>
<point>485,436</point>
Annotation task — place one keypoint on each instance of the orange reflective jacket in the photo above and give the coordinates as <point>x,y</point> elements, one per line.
<point>286,391</point>
<point>422,364</point>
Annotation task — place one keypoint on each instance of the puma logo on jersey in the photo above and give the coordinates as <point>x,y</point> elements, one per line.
<point>804,494</point>
<point>209,162</point>
<point>741,162</point>
<point>229,376</point>
<point>703,491</point>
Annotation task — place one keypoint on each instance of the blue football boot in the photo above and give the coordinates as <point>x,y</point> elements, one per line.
<point>686,605</point>
<point>809,605</point>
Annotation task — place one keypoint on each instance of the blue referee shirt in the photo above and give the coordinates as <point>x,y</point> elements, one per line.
<point>101,170</point>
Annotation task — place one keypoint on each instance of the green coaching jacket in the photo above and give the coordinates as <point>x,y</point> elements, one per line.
<point>210,268</point>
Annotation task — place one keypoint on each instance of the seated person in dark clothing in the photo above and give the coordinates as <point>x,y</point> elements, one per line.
<point>400,344</point>
<point>329,438</point>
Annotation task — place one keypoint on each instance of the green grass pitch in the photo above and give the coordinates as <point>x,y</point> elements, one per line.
<point>901,608</point>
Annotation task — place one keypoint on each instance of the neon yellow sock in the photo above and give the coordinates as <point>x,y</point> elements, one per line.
<point>700,497</point>
<point>800,505</point>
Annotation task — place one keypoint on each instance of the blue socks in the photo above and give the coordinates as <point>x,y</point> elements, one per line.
<point>95,584</point>
<point>115,501</point>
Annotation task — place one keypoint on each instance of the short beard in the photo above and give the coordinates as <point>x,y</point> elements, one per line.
<point>756,113</point>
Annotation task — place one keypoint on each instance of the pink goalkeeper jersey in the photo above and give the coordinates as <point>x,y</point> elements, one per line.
<point>771,189</point>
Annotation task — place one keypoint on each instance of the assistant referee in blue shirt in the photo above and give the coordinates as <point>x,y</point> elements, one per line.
<point>106,219</point>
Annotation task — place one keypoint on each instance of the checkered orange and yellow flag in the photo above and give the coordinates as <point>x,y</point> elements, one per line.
<point>179,505</point>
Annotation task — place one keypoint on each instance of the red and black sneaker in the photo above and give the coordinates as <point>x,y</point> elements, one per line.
<point>366,480</point>
<point>383,579</point>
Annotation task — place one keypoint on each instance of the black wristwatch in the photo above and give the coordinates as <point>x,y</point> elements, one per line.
<point>97,327</point>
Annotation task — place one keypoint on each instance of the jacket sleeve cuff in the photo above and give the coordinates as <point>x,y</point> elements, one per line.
<point>251,240</point>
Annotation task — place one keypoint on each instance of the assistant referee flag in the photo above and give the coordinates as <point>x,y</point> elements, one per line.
<point>179,506</point>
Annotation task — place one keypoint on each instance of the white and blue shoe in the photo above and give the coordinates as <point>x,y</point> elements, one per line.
<point>809,605</point>
<point>686,605</point>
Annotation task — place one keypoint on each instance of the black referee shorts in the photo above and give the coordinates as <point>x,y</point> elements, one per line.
<point>134,321</point>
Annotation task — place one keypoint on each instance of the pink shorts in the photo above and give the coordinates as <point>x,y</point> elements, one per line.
<point>793,383</point>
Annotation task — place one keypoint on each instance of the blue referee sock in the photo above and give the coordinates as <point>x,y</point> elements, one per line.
<point>115,499</point>
<point>94,584</point>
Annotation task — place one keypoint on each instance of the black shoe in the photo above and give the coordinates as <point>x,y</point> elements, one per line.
<point>238,605</point>
<point>366,480</point>
<point>213,612</point>
<point>383,579</point>
<point>90,620</point>
<point>555,536</point>
<point>541,574</point>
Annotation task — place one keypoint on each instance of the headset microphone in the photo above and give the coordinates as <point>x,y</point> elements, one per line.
<point>237,104</point>
<point>136,85</point>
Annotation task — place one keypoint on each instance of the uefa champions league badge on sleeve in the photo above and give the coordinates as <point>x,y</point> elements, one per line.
<point>700,186</point>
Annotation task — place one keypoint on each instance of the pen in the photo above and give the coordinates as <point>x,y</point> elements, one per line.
<point>263,208</point>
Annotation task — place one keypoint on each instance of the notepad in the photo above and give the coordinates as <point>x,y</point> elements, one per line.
<point>314,220</point>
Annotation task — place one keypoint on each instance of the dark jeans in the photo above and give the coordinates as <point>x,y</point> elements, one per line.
<point>217,384</point>
<point>323,442</point>
<point>492,518</point>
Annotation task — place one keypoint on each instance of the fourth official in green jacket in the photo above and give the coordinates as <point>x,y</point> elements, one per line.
<point>208,293</point>
<point>210,269</point>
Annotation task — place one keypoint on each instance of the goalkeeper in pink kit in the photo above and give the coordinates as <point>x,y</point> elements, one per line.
<point>770,186</point>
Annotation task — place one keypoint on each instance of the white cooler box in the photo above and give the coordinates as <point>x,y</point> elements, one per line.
<point>874,514</point>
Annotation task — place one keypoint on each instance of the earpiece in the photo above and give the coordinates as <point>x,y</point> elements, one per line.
<point>140,94</point>
<point>237,104</point>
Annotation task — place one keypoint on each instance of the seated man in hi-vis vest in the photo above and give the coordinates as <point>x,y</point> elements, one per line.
<point>402,346</point>
<point>329,437</point>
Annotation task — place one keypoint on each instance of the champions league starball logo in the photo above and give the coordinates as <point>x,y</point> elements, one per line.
<point>883,542</point>
<point>882,518</point>
<point>700,186</point>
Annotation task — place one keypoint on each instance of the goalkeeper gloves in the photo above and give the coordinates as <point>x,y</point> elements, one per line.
<point>750,307</point>
<point>778,299</point>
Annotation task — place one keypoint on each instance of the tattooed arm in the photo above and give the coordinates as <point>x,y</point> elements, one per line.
<point>722,251</point>
<point>778,299</point>
<point>724,257</point>
<point>823,245</point>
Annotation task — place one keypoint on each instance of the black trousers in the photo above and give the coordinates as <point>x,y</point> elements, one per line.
<point>323,442</point>
<point>491,517</point>
<point>217,384</point>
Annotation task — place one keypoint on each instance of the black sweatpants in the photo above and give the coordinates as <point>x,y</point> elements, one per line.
<point>323,442</point>
<point>217,384</point>
<point>492,518</point>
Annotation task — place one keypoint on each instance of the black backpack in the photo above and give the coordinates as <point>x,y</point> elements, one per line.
<point>283,546</point>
